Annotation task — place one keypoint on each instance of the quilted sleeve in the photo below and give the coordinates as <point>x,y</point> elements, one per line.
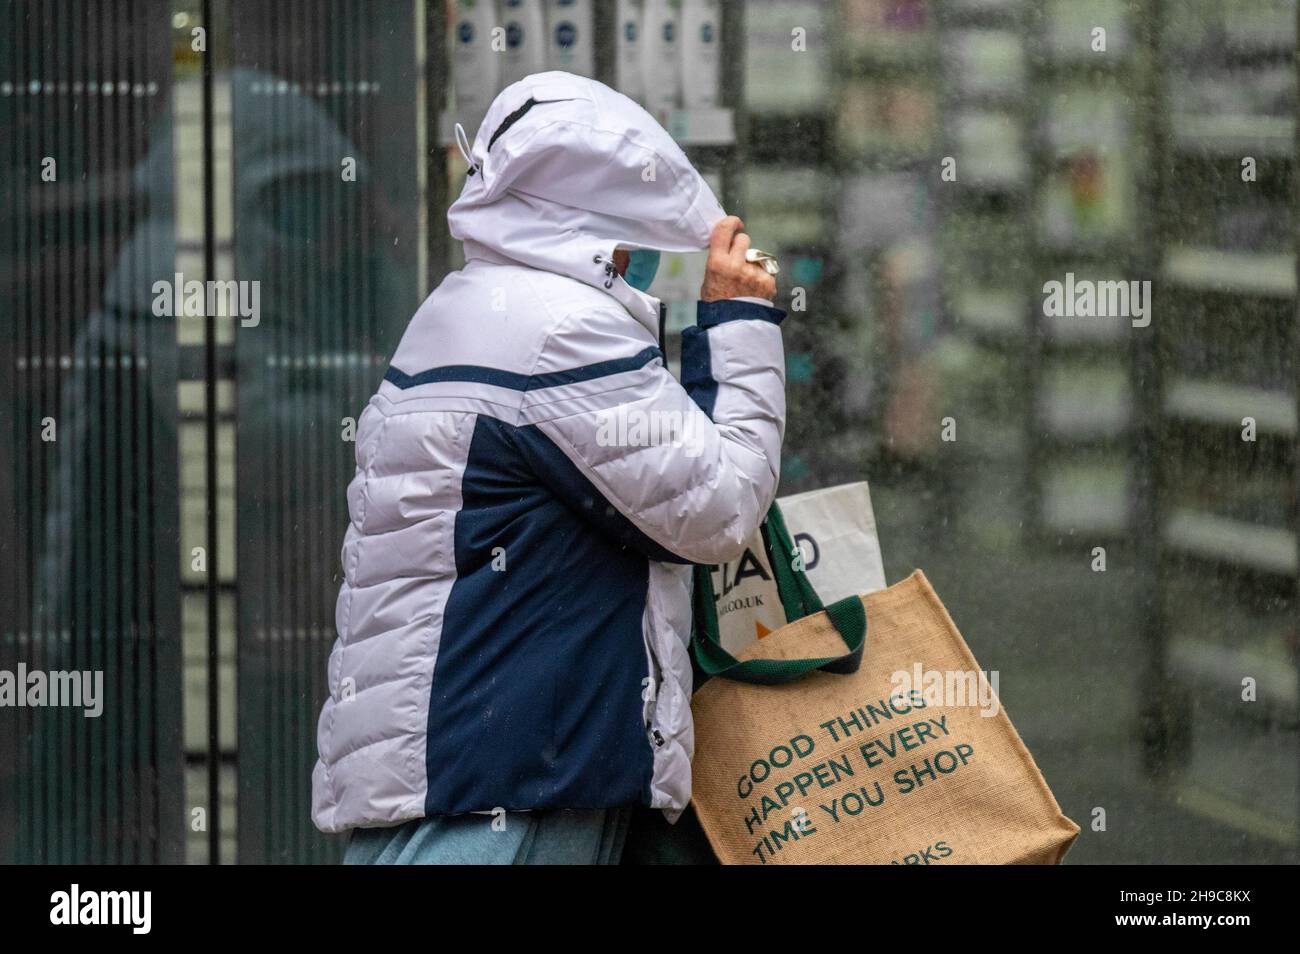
<point>690,470</point>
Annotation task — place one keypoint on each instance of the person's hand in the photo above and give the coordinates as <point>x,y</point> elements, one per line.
<point>727,274</point>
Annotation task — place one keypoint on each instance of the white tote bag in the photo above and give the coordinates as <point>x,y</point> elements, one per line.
<point>835,530</point>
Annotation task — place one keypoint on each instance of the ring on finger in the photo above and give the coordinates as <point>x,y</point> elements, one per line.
<point>766,260</point>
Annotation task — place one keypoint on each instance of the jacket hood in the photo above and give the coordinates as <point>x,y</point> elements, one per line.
<point>565,171</point>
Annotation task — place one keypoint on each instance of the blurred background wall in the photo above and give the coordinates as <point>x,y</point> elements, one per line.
<point>1107,504</point>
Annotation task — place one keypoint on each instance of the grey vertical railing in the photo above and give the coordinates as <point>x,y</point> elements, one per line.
<point>321,89</point>
<point>88,531</point>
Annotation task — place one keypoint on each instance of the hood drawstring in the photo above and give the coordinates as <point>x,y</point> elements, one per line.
<point>462,143</point>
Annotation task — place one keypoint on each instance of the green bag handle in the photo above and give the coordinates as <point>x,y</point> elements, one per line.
<point>798,599</point>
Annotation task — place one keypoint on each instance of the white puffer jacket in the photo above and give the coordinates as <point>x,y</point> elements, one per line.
<point>532,485</point>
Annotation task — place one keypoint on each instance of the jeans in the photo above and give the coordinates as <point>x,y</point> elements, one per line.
<point>553,837</point>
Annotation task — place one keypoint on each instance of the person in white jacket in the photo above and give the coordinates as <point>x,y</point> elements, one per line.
<point>532,488</point>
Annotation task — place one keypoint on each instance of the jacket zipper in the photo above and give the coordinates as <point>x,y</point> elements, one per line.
<point>650,694</point>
